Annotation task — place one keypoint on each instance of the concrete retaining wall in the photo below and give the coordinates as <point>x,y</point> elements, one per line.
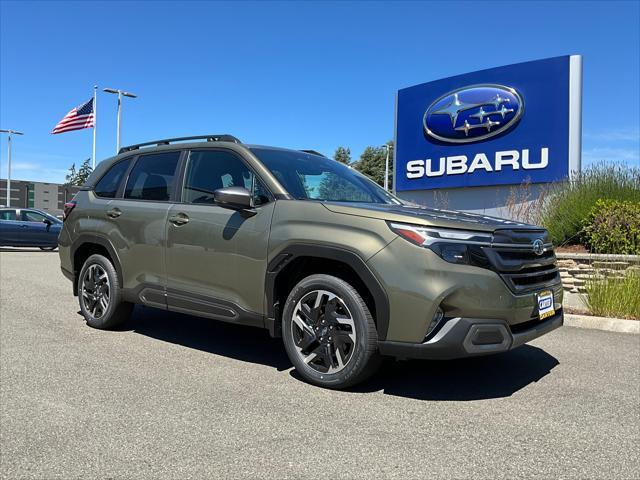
<point>577,268</point>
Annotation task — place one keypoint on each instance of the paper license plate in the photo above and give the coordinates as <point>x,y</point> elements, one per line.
<point>545,304</point>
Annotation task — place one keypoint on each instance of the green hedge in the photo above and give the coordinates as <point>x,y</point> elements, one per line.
<point>567,206</point>
<point>613,227</point>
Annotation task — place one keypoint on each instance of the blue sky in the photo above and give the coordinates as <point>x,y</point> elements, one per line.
<point>295,74</point>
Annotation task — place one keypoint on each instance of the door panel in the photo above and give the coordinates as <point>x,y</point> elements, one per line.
<point>138,235</point>
<point>35,233</point>
<point>10,229</point>
<point>136,224</point>
<point>219,253</point>
<point>38,233</point>
<point>213,252</point>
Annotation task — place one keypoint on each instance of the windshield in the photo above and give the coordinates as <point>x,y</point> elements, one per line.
<point>312,177</point>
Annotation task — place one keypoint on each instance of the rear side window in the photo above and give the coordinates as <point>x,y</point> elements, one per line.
<point>108,185</point>
<point>152,177</point>
<point>8,215</point>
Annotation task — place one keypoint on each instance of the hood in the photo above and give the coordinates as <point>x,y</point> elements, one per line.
<point>431,217</point>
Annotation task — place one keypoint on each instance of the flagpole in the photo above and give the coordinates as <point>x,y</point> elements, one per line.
<point>95,122</point>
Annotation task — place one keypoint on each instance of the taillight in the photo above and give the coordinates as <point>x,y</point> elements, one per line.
<point>68,208</point>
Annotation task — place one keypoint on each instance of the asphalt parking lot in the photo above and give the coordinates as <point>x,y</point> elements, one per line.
<point>172,396</point>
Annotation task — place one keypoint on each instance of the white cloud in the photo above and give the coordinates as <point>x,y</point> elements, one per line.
<point>26,166</point>
<point>629,156</point>
<point>619,135</point>
<point>35,172</point>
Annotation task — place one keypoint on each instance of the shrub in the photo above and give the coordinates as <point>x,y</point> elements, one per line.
<point>615,297</point>
<point>613,227</point>
<point>568,205</point>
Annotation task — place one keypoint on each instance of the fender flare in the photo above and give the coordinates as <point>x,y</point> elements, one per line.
<point>85,239</point>
<point>347,257</point>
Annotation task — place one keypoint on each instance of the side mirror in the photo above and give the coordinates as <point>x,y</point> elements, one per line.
<point>47,221</point>
<point>238,198</point>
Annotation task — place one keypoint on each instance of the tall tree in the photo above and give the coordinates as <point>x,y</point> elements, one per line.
<point>83,173</point>
<point>70,178</point>
<point>372,163</point>
<point>342,155</point>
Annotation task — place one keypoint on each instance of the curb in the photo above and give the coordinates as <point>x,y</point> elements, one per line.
<point>601,323</point>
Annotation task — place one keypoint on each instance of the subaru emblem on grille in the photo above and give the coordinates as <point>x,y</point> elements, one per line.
<point>538,247</point>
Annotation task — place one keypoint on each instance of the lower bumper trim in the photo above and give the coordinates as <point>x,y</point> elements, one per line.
<point>467,337</point>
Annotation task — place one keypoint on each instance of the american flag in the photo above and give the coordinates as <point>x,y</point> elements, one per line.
<point>77,119</point>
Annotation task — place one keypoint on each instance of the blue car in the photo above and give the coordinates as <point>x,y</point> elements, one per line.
<point>28,227</point>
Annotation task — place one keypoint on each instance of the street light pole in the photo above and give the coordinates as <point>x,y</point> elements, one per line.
<point>9,134</point>
<point>120,93</point>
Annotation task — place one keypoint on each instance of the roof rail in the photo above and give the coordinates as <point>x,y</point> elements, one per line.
<point>314,152</point>
<point>167,141</point>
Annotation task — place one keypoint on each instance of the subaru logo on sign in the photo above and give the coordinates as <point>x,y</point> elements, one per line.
<point>473,113</point>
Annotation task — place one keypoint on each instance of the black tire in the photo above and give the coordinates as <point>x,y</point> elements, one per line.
<point>116,311</point>
<point>362,359</point>
<point>48,249</point>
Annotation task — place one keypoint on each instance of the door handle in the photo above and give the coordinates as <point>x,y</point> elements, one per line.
<point>179,219</point>
<point>114,213</point>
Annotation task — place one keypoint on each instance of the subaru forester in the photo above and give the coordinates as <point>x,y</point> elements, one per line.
<point>308,248</point>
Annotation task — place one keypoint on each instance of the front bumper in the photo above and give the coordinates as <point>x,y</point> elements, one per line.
<point>467,337</point>
<point>418,281</point>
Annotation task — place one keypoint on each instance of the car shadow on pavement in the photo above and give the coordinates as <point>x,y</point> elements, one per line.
<point>248,344</point>
<point>477,378</point>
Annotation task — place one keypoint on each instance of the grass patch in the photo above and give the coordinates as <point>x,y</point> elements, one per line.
<point>615,297</point>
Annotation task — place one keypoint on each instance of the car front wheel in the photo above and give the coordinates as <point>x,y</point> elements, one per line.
<point>329,333</point>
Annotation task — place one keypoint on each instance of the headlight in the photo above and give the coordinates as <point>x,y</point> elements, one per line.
<point>453,246</point>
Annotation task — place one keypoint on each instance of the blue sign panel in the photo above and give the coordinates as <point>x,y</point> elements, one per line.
<point>500,126</point>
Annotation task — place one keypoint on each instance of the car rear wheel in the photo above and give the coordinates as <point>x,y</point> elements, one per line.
<point>99,294</point>
<point>329,333</point>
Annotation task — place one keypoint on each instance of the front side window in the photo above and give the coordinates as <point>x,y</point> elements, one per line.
<point>108,185</point>
<point>8,215</point>
<point>208,171</point>
<point>32,217</point>
<point>152,177</point>
<point>313,177</point>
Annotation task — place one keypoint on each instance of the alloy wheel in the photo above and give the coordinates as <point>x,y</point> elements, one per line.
<point>323,331</point>
<point>96,290</point>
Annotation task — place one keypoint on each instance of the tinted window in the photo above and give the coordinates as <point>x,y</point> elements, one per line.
<point>313,177</point>
<point>152,177</point>
<point>208,171</point>
<point>108,185</point>
<point>7,215</point>
<point>32,216</point>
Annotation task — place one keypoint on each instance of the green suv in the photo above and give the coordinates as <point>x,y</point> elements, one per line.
<point>308,248</point>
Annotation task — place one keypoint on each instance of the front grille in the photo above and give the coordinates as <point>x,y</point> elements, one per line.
<point>531,279</point>
<point>518,265</point>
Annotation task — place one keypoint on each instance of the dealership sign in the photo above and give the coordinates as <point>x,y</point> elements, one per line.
<point>506,125</point>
